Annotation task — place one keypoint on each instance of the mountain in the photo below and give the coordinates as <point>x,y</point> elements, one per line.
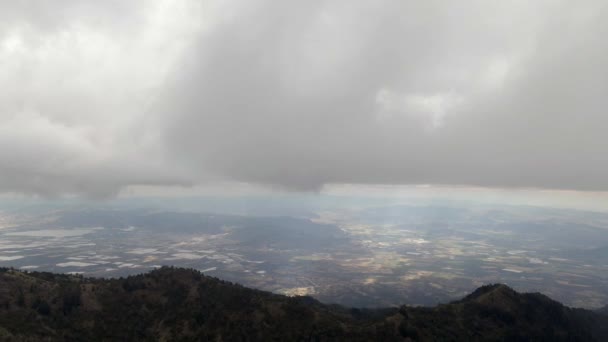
<point>603,310</point>
<point>171,304</point>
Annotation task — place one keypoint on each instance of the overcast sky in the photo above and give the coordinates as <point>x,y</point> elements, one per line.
<point>98,96</point>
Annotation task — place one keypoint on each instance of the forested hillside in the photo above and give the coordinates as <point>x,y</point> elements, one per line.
<point>181,304</point>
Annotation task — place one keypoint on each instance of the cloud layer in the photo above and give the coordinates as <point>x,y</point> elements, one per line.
<point>102,95</point>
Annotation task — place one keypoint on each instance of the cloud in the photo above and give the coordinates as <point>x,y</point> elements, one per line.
<point>77,84</point>
<point>301,94</point>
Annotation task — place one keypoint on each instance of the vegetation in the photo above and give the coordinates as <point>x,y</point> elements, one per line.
<point>175,304</point>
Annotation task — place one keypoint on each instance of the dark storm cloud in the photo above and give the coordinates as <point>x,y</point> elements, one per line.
<point>301,94</point>
<point>399,92</point>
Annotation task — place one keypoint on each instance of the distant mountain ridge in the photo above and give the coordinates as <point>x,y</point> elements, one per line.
<point>171,304</point>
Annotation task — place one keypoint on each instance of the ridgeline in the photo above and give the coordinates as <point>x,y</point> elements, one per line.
<point>176,304</point>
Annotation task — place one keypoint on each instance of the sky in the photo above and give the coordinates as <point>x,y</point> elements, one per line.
<point>103,97</point>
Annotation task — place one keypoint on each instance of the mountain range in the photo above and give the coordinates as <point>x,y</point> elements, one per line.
<point>177,304</point>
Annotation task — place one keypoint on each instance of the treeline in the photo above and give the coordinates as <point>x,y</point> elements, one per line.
<point>183,304</point>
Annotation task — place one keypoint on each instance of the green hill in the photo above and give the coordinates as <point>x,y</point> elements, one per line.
<point>172,304</point>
